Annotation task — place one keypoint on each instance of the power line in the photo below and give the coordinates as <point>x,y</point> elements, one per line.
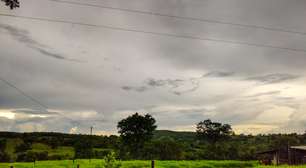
<point>43,106</point>
<point>183,17</point>
<point>23,93</point>
<point>155,33</point>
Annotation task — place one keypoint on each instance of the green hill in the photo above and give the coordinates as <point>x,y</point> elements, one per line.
<point>176,135</point>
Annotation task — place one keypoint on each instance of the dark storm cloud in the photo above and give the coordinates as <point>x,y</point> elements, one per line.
<point>24,36</point>
<point>273,78</point>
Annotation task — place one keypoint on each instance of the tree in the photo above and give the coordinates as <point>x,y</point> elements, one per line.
<point>213,131</point>
<point>164,149</point>
<point>135,130</point>
<point>12,3</point>
<point>4,157</point>
<point>83,149</point>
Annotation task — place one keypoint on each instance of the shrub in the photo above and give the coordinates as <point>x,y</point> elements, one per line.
<point>31,156</point>
<point>110,161</point>
<point>4,157</point>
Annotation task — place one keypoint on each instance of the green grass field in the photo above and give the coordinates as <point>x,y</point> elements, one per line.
<point>66,151</point>
<point>141,164</point>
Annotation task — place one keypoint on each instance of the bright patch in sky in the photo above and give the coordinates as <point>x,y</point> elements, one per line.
<point>7,114</point>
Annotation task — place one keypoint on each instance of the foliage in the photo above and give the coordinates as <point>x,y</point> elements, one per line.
<point>163,146</point>
<point>4,157</point>
<point>166,149</point>
<point>31,156</point>
<point>23,147</point>
<point>135,131</point>
<point>137,164</point>
<point>101,153</point>
<point>83,149</point>
<point>110,161</point>
<point>213,131</point>
<point>12,3</point>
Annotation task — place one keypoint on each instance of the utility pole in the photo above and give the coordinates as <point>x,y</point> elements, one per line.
<point>91,128</point>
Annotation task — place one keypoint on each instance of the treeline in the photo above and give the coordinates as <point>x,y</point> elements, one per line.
<point>138,139</point>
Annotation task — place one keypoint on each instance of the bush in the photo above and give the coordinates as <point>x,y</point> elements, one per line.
<point>31,156</point>
<point>111,162</point>
<point>57,157</point>
<point>23,147</point>
<point>166,149</point>
<point>100,154</point>
<point>4,157</point>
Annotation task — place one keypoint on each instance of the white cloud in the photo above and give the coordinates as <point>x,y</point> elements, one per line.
<point>7,114</point>
<point>73,130</point>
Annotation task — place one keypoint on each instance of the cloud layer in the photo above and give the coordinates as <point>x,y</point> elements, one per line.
<point>89,76</point>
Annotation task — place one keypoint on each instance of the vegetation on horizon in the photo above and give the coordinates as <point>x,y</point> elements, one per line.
<point>139,140</point>
<point>141,164</point>
<point>135,164</point>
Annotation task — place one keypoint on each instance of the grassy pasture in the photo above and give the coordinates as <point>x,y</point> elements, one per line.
<point>141,164</point>
<point>66,151</point>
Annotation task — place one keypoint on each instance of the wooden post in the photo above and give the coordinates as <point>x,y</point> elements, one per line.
<point>152,164</point>
<point>78,166</point>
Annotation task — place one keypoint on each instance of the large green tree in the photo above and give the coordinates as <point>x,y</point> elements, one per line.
<point>135,131</point>
<point>213,131</point>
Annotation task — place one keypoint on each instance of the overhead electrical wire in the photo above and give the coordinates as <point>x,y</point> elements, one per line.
<point>182,17</point>
<point>24,94</point>
<point>155,33</point>
<point>43,106</point>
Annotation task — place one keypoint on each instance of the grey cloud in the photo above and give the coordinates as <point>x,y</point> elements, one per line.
<point>21,35</point>
<point>264,94</point>
<point>55,55</point>
<point>35,112</point>
<point>171,84</point>
<point>159,83</point>
<point>24,36</point>
<point>273,78</point>
<point>31,120</point>
<point>133,88</point>
<point>174,84</point>
<point>286,98</point>
<point>70,87</point>
<point>218,74</point>
<point>184,116</point>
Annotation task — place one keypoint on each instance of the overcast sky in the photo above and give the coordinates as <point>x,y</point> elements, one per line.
<point>87,75</point>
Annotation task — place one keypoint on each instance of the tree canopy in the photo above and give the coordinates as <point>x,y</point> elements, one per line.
<point>213,131</point>
<point>135,130</point>
<point>12,3</point>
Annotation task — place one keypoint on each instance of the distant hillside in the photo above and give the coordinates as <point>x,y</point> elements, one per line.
<point>176,135</point>
<point>42,135</point>
<point>60,146</point>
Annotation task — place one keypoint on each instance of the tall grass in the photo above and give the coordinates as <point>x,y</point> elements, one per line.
<point>95,163</point>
